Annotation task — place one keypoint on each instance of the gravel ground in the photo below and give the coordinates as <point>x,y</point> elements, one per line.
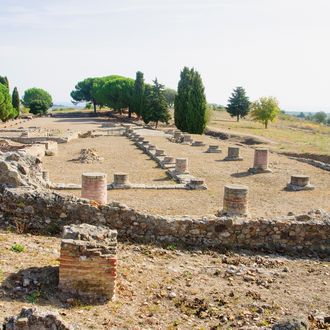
<point>266,195</point>
<point>166,288</point>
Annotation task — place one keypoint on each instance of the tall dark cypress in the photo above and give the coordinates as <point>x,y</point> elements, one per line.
<point>190,103</point>
<point>15,101</point>
<point>4,81</point>
<point>138,95</point>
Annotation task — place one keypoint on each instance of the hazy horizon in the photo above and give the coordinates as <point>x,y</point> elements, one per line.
<point>275,47</point>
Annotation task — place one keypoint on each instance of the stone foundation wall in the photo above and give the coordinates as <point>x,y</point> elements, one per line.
<point>47,212</point>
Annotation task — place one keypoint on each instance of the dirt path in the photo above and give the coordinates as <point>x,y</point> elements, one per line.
<point>170,289</point>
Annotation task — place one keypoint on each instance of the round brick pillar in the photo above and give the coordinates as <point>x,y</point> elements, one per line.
<point>235,200</point>
<point>121,179</point>
<point>181,165</point>
<point>94,187</point>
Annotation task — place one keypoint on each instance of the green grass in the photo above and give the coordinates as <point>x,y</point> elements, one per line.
<point>290,134</point>
<point>33,297</point>
<point>17,248</point>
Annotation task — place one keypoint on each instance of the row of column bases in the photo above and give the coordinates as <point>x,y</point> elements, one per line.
<point>235,200</point>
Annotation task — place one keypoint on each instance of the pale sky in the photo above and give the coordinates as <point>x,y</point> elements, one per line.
<point>275,48</point>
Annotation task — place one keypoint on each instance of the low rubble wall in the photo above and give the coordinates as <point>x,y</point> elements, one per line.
<point>43,211</point>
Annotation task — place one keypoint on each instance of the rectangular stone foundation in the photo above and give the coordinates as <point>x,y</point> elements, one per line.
<point>88,263</point>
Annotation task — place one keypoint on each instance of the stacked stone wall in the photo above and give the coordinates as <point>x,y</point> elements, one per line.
<point>43,211</point>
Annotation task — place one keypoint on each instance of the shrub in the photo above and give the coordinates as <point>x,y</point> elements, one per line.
<point>17,248</point>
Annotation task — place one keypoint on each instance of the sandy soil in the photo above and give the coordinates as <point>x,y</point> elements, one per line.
<point>119,153</point>
<point>266,196</point>
<point>164,288</point>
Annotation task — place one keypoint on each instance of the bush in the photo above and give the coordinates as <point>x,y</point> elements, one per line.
<point>17,248</point>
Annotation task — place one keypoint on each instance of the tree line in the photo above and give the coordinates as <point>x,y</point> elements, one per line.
<point>117,92</point>
<point>36,99</point>
<point>320,117</point>
<point>149,102</point>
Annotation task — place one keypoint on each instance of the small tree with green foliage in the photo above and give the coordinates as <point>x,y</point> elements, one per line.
<point>265,110</point>
<point>15,102</point>
<point>190,103</point>
<point>320,117</point>
<point>37,100</point>
<point>238,103</point>
<point>156,106</point>
<point>170,96</point>
<point>6,109</point>
<point>138,95</point>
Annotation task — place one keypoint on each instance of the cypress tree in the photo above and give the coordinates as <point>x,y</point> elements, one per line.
<point>15,101</point>
<point>4,81</point>
<point>6,108</point>
<point>190,103</point>
<point>238,104</point>
<point>138,95</point>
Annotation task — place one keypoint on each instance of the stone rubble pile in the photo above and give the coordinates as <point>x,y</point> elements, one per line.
<point>21,169</point>
<point>33,319</point>
<point>89,156</point>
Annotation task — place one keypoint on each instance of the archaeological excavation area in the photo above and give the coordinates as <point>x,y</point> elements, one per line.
<point>127,227</point>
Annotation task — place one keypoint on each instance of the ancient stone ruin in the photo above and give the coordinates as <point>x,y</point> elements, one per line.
<point>198,143</point>
<point>235,201</point>
<point>260,164</point>
<point>94,187</point>
<point>233,154</point>
<point>88,262</point>
<point>213,148</point>
<point>121,180</point>
<point>181,166</point>
<point>89,156</point>
<point>299,182</point>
